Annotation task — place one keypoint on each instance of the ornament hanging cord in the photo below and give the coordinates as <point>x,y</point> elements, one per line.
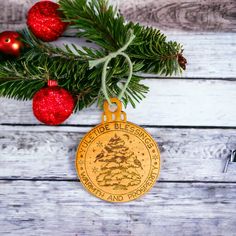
<point>106,61</point>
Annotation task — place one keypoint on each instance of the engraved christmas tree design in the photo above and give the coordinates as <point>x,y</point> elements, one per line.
<point>120,166</point>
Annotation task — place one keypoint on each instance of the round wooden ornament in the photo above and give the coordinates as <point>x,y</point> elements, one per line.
<point>117,161</point>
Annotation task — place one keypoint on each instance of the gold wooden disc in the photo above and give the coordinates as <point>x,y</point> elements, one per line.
<point>118,161</point>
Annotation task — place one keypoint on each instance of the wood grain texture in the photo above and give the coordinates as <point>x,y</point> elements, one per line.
<point>65,208</point>
<point>187,154</point>
<point>169,102</point>
<point>13,13</point>
<point>183,15</point>
<point>193,196</point>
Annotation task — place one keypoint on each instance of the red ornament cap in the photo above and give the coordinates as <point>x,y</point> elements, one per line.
<point>44,21</point>
<point>52,105</point>
<point>52,83</point>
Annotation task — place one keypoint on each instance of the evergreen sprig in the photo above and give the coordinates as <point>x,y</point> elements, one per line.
<point>103,25</point>
<point>100,23</point>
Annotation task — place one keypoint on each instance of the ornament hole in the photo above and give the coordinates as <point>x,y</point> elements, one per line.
<point>7,40</point>
<point>113,107</point>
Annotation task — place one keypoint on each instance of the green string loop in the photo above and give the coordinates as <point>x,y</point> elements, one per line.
<point>106,61</point>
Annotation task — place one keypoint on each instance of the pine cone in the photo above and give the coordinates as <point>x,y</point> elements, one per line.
<point>182,61</point>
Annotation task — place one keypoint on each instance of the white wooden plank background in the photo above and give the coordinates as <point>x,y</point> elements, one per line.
<point>64,208</point>
<point>192,119</point>
<point>181,102</point>
<point>49,152</point>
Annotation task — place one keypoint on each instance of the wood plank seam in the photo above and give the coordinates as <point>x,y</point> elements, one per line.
<point>77,180</point>
<point>143,126</point>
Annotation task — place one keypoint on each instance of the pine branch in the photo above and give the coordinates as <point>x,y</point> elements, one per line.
<point>21,78</point>
<point>153,53</point>
<point>103,25</point>
<point>95,20</point>
<point>92,18</point>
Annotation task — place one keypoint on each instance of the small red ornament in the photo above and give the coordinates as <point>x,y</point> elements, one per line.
<point>44,21</point>
<point>52,105</point>
<point>10,43</point>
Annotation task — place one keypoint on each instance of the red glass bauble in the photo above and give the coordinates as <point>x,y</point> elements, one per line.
<point>52,105</point>
<point>10,43</point>
<point>44,21</point>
